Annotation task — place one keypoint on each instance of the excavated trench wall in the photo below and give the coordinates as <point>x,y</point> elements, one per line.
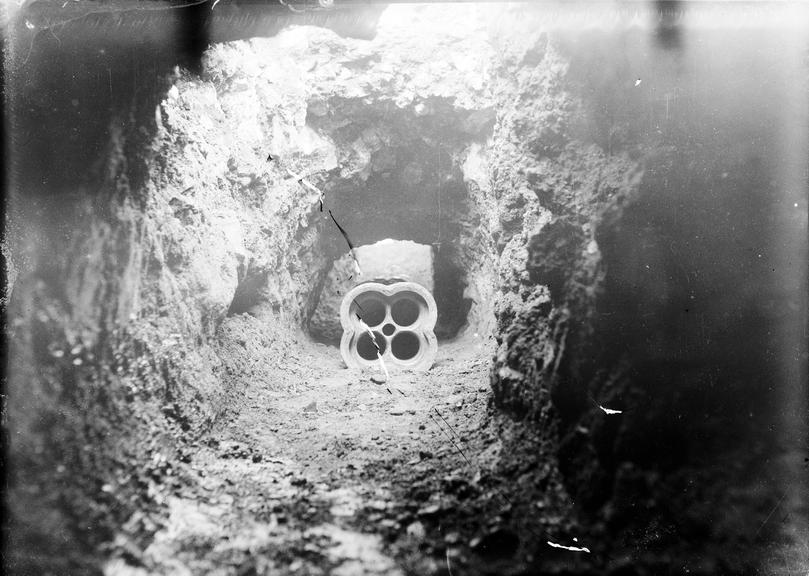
<point>161,258</point>
<point>673,294</point>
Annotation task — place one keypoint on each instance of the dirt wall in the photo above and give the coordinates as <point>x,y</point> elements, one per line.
<point>662,282</point>
<point>151,242</point>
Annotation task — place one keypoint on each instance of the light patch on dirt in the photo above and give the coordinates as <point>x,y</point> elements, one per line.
<point>312,481</point>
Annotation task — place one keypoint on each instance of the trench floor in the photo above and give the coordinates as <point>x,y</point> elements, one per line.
<point>345,476</point>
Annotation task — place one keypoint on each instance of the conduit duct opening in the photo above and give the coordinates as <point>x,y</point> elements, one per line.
<point>401,316</point>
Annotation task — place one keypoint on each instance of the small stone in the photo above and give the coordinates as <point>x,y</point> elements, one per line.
<point>257,457</point>
<point>416,531</point>
<point>395,411</point>
<point>388,523</point>
<point>429,510</point>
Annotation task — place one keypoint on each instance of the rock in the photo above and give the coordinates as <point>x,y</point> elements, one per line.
<point>311,407</point>
<point>395,411</point>
<point>430,510</point>
<point>416,531</point>
<point>257,458</point>
<point>388,524</point>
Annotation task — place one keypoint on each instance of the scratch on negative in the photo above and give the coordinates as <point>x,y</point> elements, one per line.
<point>376,345</point>
<point>571,548</point>
<point>350,245</point>
<point>767,519</point>
<point>458,448</point>
<point>448,567</point>
<point>610,411</point>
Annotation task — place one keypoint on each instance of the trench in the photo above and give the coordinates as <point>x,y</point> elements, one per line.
<point>194,190</point>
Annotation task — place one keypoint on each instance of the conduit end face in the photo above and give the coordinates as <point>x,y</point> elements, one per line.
<point>402,317</point>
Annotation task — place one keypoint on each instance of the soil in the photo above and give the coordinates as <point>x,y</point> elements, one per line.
<point>347,476</point>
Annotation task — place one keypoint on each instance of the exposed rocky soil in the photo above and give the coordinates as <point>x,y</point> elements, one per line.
<point>319,470</point>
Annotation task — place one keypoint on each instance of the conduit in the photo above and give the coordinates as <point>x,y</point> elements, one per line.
<point>401,317</point>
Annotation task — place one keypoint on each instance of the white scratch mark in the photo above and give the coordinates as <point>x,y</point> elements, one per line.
<point>356,264</point>
<point>376,345</point>
<point>610,411</point>
<point>767,519</point>
<point>637,82</point>
<point>571,548</point>
<point>215,2</point>
<point>300,179</point>
<point>448,567</point>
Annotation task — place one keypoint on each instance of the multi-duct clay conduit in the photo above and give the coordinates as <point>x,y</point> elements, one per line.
<point>393,322</point>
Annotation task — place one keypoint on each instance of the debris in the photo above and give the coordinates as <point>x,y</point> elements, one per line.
<point>637,82</point>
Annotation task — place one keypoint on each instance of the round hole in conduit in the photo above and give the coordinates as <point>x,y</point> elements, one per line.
<point>405,345</point>
<point>404,312</point>
<point>388,329</point>
<point>371,310</point>
<point>366,348</point>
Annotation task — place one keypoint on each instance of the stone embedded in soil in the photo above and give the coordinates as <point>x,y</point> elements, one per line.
<point>416,531</point>
<point>430,510</point>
